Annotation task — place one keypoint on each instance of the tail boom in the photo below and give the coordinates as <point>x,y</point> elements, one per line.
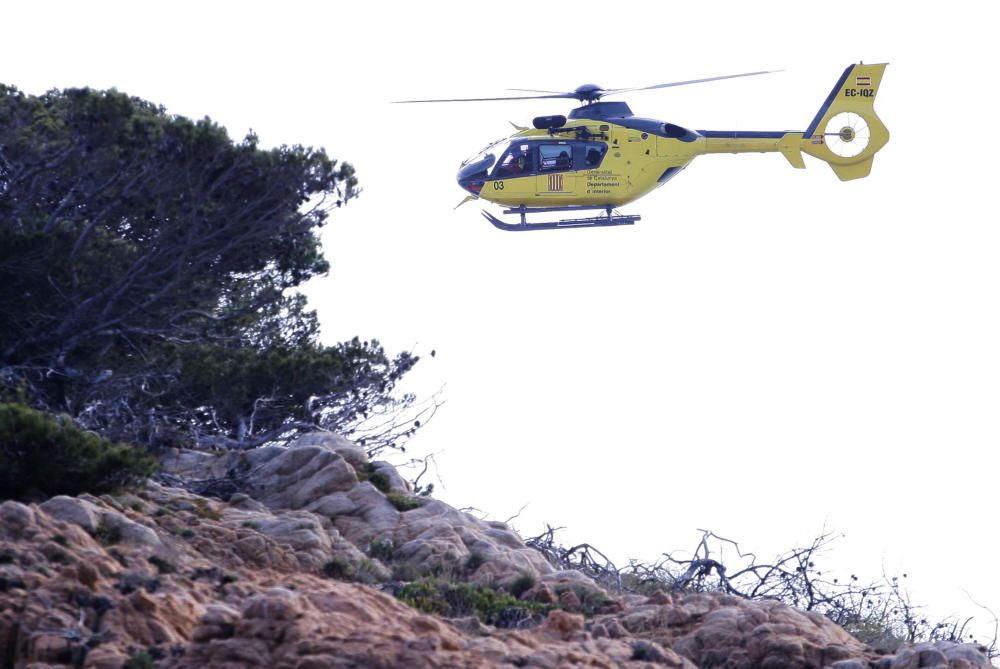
<point>846,132</point>
<point>726,141</point>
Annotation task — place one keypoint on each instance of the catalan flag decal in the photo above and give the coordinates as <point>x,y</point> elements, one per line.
<point>864,81</point>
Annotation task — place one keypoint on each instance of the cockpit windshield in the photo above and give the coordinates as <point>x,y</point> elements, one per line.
<point>479,155</point>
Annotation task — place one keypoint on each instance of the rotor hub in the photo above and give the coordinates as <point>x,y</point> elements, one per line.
<point>588,93</point>
<point>847,134</point>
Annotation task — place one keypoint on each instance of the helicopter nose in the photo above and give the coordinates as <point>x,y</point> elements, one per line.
<point>471,185</point>
<point>472,176</point>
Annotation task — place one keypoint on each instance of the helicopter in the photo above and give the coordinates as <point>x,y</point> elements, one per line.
<point>600,156</point>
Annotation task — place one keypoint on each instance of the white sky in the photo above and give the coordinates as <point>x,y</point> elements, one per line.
<point>768,352</point>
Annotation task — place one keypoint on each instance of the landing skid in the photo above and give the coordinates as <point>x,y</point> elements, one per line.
<point>608,219</point>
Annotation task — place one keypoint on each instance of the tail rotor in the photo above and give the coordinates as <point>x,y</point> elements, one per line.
<point>847,134</point>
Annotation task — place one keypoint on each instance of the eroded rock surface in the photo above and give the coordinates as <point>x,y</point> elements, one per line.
<point>329,477</point>
<point>262,580</point>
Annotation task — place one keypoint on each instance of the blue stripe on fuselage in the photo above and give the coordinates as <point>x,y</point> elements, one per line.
<point>745,134</point>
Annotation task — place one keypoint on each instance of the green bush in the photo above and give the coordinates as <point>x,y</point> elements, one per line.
<point>381,549</point>
<point>404,502</point>
<point>41,453</point>
<point>474,561</point>
<point>140,660</point>
<point>338,568</point>
<point>108,534</point>
<point>380,481</point>
<point>367,472</point>
<point>455,600</point>
<point>876,631</point>
<point>523,583</point>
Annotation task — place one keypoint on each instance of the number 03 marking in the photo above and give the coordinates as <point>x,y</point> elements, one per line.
<point>497,185</point>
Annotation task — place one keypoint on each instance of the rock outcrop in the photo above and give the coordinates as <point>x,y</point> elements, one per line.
<point>330,478</point>
<point>297,565</point>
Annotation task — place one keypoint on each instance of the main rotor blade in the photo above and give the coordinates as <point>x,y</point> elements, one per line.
<point>531,90</point>
<point>690,81</point>
<point>520,97</point>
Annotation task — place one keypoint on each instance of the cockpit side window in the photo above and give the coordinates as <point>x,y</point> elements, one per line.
<point>594,154</point>
<point>518,160</point>
<point>555,157</point>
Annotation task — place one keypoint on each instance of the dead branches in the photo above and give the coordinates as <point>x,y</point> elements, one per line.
<point>879,613</point>
<point>581,557</point>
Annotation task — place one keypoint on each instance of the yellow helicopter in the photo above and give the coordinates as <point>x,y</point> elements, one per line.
<point>601,157</point>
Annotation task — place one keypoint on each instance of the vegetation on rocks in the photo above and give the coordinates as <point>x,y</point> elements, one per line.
<point>43,455</point>
<point>404,502</point>
<point>452,599</point>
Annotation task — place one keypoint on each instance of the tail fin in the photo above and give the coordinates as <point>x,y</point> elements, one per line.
<point>846,132</point>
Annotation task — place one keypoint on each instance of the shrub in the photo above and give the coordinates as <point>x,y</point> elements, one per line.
<point>474,561</point>
<point>381,549</point>
<point>644,651</point>
<point>454,600</point>
<point>380,481</point>
<point>108,534</point>
<point>403,502</point>
<point>876,631</point>
<point>369,572</point>
<point>59,557</point>
<point>203,510</point>
<point>140,660</point>
<point>41,453</point>
<point>405,571</point>
<point>162,566</point>
<point>338,568</point>
<point>522,584</point>
<point>208,573</point>
<point>591,600</point>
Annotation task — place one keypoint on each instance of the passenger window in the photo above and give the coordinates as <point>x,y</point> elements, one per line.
<point>593,154</point>
<point>555,157</point>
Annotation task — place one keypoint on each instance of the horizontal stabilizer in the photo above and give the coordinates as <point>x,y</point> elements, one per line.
<point>791,148</point>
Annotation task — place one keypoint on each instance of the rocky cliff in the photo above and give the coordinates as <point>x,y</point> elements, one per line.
<point>314,560</point>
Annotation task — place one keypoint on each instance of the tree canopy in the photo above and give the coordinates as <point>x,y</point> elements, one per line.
<point>147,272</point>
